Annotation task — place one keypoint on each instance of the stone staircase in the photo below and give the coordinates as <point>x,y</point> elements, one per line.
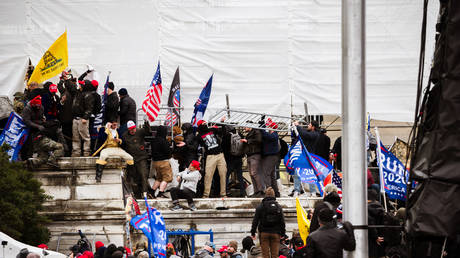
<point>98,209</point>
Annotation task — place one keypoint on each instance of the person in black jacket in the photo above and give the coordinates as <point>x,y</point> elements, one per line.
<point>127,109</point>
<point>112,103</point>
<point>67,87</point>
<point>161,153</point>
<point>189,149</point>
<point>252,145</point>
<point>82,108</point>
<point>323,144</point>
<point>234,162</point>
<point>329,241</point>
<point>375,217</point>
<point>208,138</point>
<point>331,200</point>
<point>269,220</point>
<point>51,101</point>
<point>134,144</point>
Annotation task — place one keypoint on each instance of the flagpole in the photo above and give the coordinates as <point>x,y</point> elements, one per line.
<point>150,222</point>
<point>382,181</point>
<point>353,117</point>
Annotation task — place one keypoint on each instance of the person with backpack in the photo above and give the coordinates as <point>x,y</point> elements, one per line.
<point>269,220</point>
<point>233,153</point>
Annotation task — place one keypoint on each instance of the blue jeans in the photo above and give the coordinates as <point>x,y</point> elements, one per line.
<point>297,183</point>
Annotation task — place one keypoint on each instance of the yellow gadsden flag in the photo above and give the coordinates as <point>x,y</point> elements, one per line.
<point>302,221</point>
<point>54,61</point>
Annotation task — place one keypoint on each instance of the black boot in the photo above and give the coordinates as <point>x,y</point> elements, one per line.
<point>99,169</point>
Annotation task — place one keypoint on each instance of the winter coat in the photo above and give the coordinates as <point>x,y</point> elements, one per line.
<point>189,179</point>
<point>329,242</point>
<point>375,217</point>
<point>254,144</point>
<point>127,110</point>
<point>33,117</point>
<point>51,105</point>
<point>83,103</point>
<point>67,89</point>
<point>258,222</point>
<point>112,104</point>
<point>135,144</point>
<point>323,146</point>
<point>270,143</point>
<point>309,138</point>
<point>159,145</point>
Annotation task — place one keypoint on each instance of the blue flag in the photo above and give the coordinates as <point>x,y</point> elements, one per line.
<point>14,134</point>
<point>202,103</point>
<point>395,175</point>
<point>154,229</point>
<point>301,162</point>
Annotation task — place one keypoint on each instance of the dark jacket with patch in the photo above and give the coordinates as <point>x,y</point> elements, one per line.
<point>135,144</point>
<point>259,220</point>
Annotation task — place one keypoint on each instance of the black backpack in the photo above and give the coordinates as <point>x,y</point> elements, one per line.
<point>97,103</point>
<point>272,213</point>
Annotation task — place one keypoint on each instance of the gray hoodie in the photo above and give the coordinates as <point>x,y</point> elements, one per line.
<point>189,179</point>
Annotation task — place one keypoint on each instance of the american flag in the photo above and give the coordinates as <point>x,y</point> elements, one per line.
<point>151,104</point>
<point>336,180</point>
<point>171,117</point>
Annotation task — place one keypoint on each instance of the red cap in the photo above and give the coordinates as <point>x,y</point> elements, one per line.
<point>271,124</point>
<point>53,88</point>
<point>37,101</point>
<point>195,164</point>
<point>128,251</point>
<point>200,122</point>
<point>223,249</point>
<point>94,83</point>
<point>99,244</point>
<point>43,246</point>
<point>130,125</point>
<point>81,82</point>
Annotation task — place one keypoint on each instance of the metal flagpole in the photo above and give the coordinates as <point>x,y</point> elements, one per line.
<point>353,116</point>
<point>382,181</point>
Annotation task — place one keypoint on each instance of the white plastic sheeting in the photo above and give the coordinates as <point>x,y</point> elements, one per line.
<point>260,51</point>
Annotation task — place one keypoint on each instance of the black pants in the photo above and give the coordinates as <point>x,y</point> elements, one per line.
<point>177,193</point>
<point>142,171</point>
<point>236,165</point>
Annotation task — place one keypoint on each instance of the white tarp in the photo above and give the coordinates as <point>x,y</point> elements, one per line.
<point>260,51</point>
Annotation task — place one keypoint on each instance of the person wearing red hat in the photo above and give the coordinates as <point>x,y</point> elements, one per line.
<point>134,144</point>
<point>270,157</point>
<point>43,246</point>
<point>33,117</point>
<point>51,101</point>
<point>188,180</point>
<point>214,158</point>
<point>111,148</point>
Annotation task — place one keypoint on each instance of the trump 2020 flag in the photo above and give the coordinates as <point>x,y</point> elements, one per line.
<point>395,175</point>
<point>301,162</point>
<point>152,225</point>
<point>53,61</point>
<point>173,101</point>
<point>202,103</point>
<point>14,134</point>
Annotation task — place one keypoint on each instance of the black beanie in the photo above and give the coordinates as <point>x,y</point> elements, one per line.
<point>122,92</point>
<point>326,215</point>
<point>247,243</point>
<point>111,86</point>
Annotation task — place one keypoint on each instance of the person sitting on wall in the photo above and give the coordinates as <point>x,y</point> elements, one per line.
<point>111,148</point>
<point>188,180</point>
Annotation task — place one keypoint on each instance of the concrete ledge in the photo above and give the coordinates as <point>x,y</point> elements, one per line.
<point>69,163</point>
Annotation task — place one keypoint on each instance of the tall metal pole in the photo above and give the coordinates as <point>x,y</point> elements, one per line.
<point>353,116</point>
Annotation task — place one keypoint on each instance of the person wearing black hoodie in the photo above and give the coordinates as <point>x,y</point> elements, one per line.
<point>269,220</point>
<point>161,153</point>
<point>111,104</point>
<point>127,109</point>
<point>376,214</point>
<point>214,158</point>
<point>82,108</point>
<point>331,200</point>
<point>189,150</point>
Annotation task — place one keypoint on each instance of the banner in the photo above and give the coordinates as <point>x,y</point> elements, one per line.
<point>14,134</point>
<point>153,228</point>
<point>311,169</point>
<point>54,61</point>
<point>302,220</point>
<point>395,175</point>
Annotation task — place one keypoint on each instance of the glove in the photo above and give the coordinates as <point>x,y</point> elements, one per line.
<point>348,228</point>
<point>41,128</point>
